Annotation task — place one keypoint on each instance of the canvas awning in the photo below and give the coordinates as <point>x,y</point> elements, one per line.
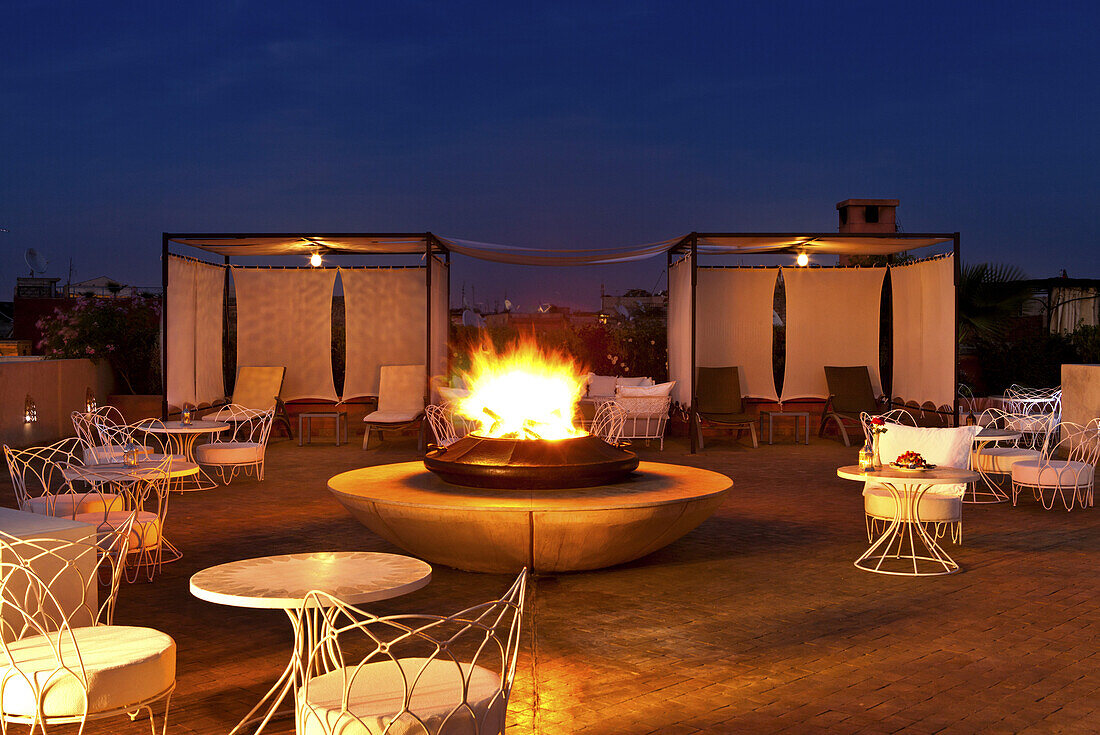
<point>268,245</point>
<point>809,243</point>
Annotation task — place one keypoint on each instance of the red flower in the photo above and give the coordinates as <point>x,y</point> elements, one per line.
<point>878,421</point>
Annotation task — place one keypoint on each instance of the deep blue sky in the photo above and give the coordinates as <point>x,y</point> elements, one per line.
<point>553,124</point>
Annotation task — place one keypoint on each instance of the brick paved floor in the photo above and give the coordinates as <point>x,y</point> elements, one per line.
<point>756,622</point>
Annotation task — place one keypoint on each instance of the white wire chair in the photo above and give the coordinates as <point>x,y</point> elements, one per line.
<point>103,433</point>
<point>423,674</point>
<point>37,476</point>
<point>144,493</point>
<point>646,417</point>
<point>1021,400</point>
<point>64,662</point>
<point>242,449</point>
<point>893,416</point>
<point>1066,469</point>
<point>608,422</point>
<point>441,419</point>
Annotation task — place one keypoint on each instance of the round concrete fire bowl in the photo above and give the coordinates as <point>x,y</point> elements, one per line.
<point>501,530</point>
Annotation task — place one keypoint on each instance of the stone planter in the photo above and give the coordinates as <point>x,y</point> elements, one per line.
<point>135,408</point>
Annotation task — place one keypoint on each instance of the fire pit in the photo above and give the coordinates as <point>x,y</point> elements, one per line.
<point>526,464</point>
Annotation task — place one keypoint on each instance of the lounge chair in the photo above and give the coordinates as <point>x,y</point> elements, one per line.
<point>850,394</point>
<point>400,400</point>
<point>257,388</point>
<point>718,402</point>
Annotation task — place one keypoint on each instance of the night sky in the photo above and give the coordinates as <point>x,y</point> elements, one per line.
<point>554,124</point>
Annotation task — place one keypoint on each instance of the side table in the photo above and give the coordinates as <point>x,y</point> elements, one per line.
<point>772,415</point>
<point>307,419</point>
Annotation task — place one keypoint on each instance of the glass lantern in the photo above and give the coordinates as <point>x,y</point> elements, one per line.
<point>90,404</point>
<point>30,411</point>
<point>187,415</point>
<point>866,457</point>
<point>130,454</point>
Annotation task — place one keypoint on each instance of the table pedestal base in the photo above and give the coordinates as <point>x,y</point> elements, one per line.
<point>184,444</point>
<point>906,548</point>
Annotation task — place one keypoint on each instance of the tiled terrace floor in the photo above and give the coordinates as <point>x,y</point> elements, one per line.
<point>756,622</point>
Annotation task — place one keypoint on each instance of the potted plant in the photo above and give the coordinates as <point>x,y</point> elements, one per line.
<point>123,331</point>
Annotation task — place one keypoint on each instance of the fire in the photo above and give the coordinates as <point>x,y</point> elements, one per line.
<point>525,392</point>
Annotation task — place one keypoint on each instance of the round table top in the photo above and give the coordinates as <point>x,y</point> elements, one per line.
<point>117,471</point>
<point>991,435</point>
<point>282,582</point>
<point>409,483</point>
<point>938,476</point>
<point>178,427</point>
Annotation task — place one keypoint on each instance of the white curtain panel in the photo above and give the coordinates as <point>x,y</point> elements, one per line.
<point>441,319</point>
<point>209,313</point>
<point>733,324</point>
<point>924,331</point>
<point>832,319</point>
<point>180,340</point>
<point>284,318</point>
<point>679,330</point>
<point>384,311</point>
<point>195,309</point>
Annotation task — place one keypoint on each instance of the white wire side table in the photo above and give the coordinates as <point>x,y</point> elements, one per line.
<point>282,583</point>
<point>917,553</point>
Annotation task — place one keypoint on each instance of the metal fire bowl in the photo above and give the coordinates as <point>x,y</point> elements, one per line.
<point>530,464</point>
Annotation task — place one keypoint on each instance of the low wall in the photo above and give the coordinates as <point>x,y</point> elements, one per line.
<point>1080,393</point>
<point>58,388</point>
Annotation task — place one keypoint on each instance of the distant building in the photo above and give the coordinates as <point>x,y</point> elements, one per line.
<point>104,287</point>
<point>617,308</point>
<point>1063,304</point>
<point>37,288</point>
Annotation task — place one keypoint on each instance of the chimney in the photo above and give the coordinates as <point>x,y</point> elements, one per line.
<point>868,215</point>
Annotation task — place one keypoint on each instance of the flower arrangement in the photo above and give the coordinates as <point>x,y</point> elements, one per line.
<point>124,332</point>
<point>877,426</point>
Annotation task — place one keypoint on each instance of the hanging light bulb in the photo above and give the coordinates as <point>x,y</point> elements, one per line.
<point>315,260</point>
<point>803,260</point>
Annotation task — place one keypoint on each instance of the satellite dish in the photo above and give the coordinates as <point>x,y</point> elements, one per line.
<point>543,308</point>
<point>507,305</point>
<point>35,260</point>
<point>472,319</point>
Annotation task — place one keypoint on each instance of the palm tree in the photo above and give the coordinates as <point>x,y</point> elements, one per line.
<point>990,295</point>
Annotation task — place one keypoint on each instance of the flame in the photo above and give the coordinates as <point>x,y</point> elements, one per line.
<point>525,392</point>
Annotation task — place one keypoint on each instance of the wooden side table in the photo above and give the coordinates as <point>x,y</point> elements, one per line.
<point>783,414</point>
<point>307,420</point>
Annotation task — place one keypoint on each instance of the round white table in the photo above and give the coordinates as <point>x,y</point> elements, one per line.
<point>181,439</point>
<point>907,489</point>
<point>282,583</point>
<point>992,492</point>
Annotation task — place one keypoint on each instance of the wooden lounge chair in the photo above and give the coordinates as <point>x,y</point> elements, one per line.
<point>718,402</point>
<point>258,388</point>
<point>850,394</point>
<point>400,400</point>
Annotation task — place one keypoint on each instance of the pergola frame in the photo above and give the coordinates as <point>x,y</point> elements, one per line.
<point>311,242</point>
<point>784,243</point>
<point>799,242</point>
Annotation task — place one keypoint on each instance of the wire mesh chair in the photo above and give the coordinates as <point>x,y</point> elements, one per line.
<point>1021,400</point>
<point>646,417</point>
<point>441,419</point>
<point>103,433</point>
<point>144,493</point>
<point>608,422</point>
<point>241,450</point>
<point>38,478</point>
<point>1066,470</point>
<point>993,460</point>
<point>422,674</point>
<point>64,662</point>
<point>893,416</point>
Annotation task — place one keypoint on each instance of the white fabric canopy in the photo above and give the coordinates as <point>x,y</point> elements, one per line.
<point>679,330</point>
<point>733,324</point>
<point>385,325</point>
<point>284,317</point>
<point>924,331</point>
<point>832,319</point>
<point>195,302</point>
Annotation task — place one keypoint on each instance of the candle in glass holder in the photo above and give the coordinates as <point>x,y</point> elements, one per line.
<point>130,454</point>
<point>187,416</point>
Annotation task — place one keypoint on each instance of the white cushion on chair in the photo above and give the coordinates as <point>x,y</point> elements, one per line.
<point>229,453</point>
<point>391,417</point>
<point>1000,460</point>
<point>936,506</point>
<point>124,666</point>
<point>378,693</point>
<point>144,534</point>
<point>66,505</point>
<point>1052,473</point>
<point>944,447</point>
